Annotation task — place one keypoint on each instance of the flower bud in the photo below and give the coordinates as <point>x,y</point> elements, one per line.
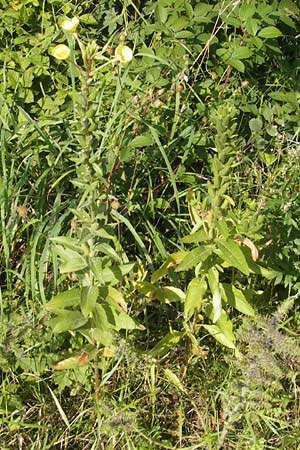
<point>61,51</point>
<point>123,54</point>
<point>70,25</point>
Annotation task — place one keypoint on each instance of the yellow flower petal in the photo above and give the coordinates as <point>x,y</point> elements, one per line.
<point>61,51</point>
<point>70,25</point>
<point>123,54</point>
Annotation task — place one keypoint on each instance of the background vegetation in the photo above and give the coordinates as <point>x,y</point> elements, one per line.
<point>149,225</point>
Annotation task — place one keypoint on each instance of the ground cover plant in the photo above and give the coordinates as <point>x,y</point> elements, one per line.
<point>149,224</point>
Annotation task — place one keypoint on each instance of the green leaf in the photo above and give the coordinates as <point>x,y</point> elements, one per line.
<point>252,26</point>
<point>161,12</point>
<point>143,140</point>
<point>105,317</point>
<point>232,254</point>
<point>177,23</point>
<point>219,336</point>
<point>193,258</point>
<point>237,64</point>
<point>167,343</point>
<point>108,250</point>
<point>241,53</point>
<point>235,298</point>
<point>89,296</point>
<point>214,285</point>
<point>246,11</point>
<point>64,299</point>
<point>269,33</point>
<point>70,261</point>
<point>125,322</point>
<point>171,261</point>
<point>195,292</point>
<point>256,125</point>
<point>173,379</point>
<point>115,297</point>
<point>68,242</point>
<point>198,236</point>
<point>67,321</point>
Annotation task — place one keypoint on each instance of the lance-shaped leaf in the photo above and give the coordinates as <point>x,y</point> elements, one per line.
<point>194,257</point>
<point>220,336</point>
<point>232,254</point>
<point>194,295</point>
<point>167,343</point>
<point>235,298</point>
<point>171,261</point>
<point>89,296</point>
<point>64,299</point>
<point>70,261</point>
<point>67,321</point>
<point>214,285</point>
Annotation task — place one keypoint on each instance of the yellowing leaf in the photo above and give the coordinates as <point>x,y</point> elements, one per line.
<point>254,251</point>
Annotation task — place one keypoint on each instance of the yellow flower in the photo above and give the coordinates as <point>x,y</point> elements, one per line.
<point>70,25</point>
<point>61,51</point>
<point>123,54</point>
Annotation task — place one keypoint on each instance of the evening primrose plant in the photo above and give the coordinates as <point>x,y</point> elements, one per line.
<point>90,255</point>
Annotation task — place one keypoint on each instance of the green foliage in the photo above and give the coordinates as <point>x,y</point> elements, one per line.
<point>147,210</point>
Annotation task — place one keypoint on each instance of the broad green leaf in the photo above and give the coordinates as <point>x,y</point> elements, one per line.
<point>110,275</point>
<point>198,236</point>
<point>188,9</point>
<point>269,33</point>
<point>177,24</point>
<point>164,294</point>
<point>115,297</point>
<point>70,261</point>
<point>170,294</point>
<point>105,317</point>
<point>214,285</point>
<point>241,53</point>
<point>101,336</point>
<point>235,298</point>
<point>237,64</point>
<point>213,279</point>
<point>217,305</point>
<point>193,257</point>
<point>252,26</point>
<point>64,299</point>
<point>256,125</point>
<point>67,321</point>
<point>68,242</point>
<point>143,140</point>
<point>89,296</point>
<point>167,343</point>
<point>225,325</point>
<point>125,322</point>
<point>219,336</point>
<point>108,250</point>
<point>161,12</point>
<point>285,96</point>
<point>233,255</point>
<point>195,292</point>
<point>246,11</point>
